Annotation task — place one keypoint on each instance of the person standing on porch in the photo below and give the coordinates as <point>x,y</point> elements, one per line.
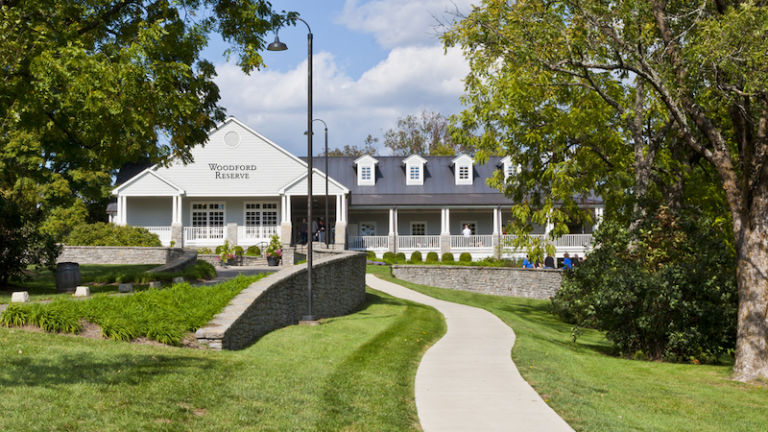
<point>466,231</point>
<point>314,229</point>
<point>320,230</point>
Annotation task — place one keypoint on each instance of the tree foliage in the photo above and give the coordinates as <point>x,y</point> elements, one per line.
<point>90,85</point>
<point>425,134</point>
<point>21,243</point>
<point>367,148</point>
<point>635,101</point>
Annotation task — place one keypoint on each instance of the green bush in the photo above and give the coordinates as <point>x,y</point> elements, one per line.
<point>200,270</point>
<point>388,256</point>
<point>219,249</point>
<point>465,257</point>
<point>447,257</point>
<point>107,234</point>
<point>431,257</point>
<point>416,257</point>
<point>672,296</point>
<point>371,255</point>
<point>253,251</point>
<point>239,251</point>
<point>399,258</point>
<point>204,251</point>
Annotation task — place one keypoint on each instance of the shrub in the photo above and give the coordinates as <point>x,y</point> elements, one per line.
<point>107,234</point>
<point>200,270</point>
<point>388,256</point>
<point>15,316</point>
<point>239,251</point>
<point>219,249</point>
<point>416,257</point>
<point>465,257</point>
<point>253,251</point>
<point>204,251</point>
<point>672,296</point>
<point>447,257</point>
<point>371,255</point>
<point>431,257</point>
<point>400,258</point>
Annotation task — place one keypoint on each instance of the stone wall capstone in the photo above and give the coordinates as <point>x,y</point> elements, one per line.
<point>119,255</point>
<point>280,299</point>
<point>506,281</point>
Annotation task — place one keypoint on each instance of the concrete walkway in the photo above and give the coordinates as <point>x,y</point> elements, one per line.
<point>467,380</point>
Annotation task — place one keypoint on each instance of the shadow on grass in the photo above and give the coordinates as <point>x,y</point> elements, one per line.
<point>125,369</point>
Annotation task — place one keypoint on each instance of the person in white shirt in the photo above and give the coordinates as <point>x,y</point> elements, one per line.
<point>466,231</point>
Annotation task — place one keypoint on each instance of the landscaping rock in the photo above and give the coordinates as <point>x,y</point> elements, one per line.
<point>125,288</point>
<point>155,284</point>
<point>82,291</point>
<point>20,297</point>
<point>178,279</point>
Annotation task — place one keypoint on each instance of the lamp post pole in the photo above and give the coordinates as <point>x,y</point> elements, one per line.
<point>327,221</point>
<point>279,46</point>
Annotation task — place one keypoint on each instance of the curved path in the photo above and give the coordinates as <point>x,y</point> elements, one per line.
<point>467,380</point>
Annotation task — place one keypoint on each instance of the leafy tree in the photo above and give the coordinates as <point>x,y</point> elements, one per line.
<point>368,148</point>
<point>22,243</point>
<point>425,134</point>
<point>90,85</point>
<point>632,100</point>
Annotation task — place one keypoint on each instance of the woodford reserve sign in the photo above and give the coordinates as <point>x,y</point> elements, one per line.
<point>231,171</point>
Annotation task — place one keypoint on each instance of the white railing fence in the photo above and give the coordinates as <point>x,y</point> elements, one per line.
<point>257,232</point>
<point>163,232</point>
<point>203,233</point>
<point>472,241</point>
<point>368,242</point>
<point>418,242</point>
<point>574,240</point>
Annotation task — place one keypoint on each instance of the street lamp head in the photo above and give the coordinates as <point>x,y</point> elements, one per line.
<point>277,45</point>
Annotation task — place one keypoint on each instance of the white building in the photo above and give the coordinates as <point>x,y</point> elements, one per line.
<point>243,188</point>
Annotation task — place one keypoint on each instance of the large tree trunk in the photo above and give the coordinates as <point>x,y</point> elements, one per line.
<point>752,274</point>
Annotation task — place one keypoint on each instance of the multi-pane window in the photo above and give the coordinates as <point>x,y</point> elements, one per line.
<point>260,214</point>
<point>207,214</point>
<point>365,173</point>
<point>413,173</point>
<point>418,228</point>
<point>367,228</point>
<point>464,173</point>
<point>510,170</point>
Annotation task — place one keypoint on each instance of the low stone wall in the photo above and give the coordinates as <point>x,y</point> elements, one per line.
<point>507,281</point>
<point>280,299</point>
<point>188,258</point>
<point>247,260</point>
<point>119,255</point>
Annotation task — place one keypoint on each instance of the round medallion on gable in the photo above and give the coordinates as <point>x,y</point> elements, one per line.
<point>232,139</point>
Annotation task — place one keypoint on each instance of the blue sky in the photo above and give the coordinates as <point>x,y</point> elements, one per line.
<point>374,61</point>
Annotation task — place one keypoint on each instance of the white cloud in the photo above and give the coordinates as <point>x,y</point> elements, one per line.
<point>409,80</point>
<point>396,23</point>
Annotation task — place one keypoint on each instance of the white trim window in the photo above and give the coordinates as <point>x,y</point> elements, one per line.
<point>419,228</point>
<point>207,214</point>
<point>260,213</point>
<point>414,170</point>
<point>462,166</point>
<point>366,170</point>
<point>367,228</point>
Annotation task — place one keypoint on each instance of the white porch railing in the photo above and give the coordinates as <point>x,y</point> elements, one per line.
<point>204,234</point>
<point>472,241</point>
<point>256,232</point>
<point>163,232</point>
<point>368,242</point>
<point>418,242</point>
<point>574,240</point>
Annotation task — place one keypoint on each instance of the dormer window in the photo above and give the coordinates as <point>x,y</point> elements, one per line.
<point>366,170</point>
<point>509,168</point>
<point>414,170</point>
<point>463,169</point>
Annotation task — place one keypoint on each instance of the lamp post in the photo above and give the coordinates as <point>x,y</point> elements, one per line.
<point>279,46</point>
<point>327,221</point>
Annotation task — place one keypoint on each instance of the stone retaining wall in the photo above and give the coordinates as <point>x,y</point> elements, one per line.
<point>119,255</point>
<point>507,281</point>
<point>280,299</point>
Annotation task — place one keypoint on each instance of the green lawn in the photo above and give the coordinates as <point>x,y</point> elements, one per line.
<point>352,373</point>
<point>593,391</point>
<point>42,285</point>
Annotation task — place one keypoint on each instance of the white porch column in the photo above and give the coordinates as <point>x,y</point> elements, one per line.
<point>496,238</point>
<point>285,224</point>
<point>340,230</point>
<point>392,229</point>
<point>123,209</point>
<point>445,231</point>
<point>177,230</point>
<point>174,209</point>
<point>598,217</point>
<point>119,215</point>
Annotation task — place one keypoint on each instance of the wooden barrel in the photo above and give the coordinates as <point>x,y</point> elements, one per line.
<point>67,276</point>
